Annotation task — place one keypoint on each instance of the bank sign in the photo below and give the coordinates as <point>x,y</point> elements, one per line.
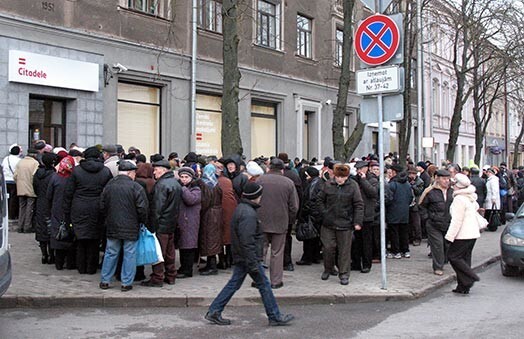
<point>38,69</point>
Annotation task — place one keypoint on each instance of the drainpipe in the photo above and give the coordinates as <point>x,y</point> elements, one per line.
<point>420,84</point>
<point>192,141</point>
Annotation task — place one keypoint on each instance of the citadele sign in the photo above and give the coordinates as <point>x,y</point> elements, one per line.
<point>38,69</point>
<point>377,39</point>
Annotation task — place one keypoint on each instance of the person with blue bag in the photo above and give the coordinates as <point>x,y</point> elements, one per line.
<point>124,205</point>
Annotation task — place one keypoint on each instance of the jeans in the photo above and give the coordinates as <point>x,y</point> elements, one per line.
<point>113,248</point>
<point>240,271</point>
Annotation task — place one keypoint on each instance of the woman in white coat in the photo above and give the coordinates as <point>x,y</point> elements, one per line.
<point>492,191</point>
<point>463,231</point>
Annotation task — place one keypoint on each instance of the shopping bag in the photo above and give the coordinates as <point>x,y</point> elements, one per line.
<point>494,219</point>
<point>146,248</point>
<point>306,230</point>
<point>65,233</point>
<point>158,251</point>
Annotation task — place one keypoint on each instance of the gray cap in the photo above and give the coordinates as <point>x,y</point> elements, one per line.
<point>162,163</point>
<point>109,148</point>
<point>443,173</point>
<point>125,165</point>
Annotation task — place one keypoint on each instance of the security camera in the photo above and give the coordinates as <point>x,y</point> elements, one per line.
<point>328,102</point>
<point>120,68</point>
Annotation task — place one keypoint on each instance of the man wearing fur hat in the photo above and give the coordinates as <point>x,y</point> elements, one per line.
<point>340,210</point>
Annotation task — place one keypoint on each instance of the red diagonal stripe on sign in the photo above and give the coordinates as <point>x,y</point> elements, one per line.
<point>376,39</point>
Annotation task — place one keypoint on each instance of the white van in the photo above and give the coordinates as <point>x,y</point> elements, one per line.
<point>5,258</point>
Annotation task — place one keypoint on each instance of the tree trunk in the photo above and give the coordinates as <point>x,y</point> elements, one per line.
<point>354,139</point>
<point>339,149</point>
<point>231,142</point>
<point>516,150</point>
<point>479,141</point>
<point>456,119</point>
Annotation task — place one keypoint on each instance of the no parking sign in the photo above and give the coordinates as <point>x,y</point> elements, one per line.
<point>377,39</point>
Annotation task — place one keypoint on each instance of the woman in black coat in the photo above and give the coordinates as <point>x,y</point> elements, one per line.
<point>64,250</point>
<point>82,208</point>
<point>41,217</point>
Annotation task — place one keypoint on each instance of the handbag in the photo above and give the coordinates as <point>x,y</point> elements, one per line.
<point>481,221</point>
<point>306,230</point>
<point>494,219</point>
<point>65,232</point>
<point>158,251</point>
<point>146,248</point>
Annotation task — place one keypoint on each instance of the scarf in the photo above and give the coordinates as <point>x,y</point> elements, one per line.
<point>209,177</point>
<point>65,167</point>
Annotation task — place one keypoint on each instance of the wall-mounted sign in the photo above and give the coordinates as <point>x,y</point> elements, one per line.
<point>38,69</point>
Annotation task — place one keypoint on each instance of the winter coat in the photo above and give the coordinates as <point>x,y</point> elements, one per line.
<point>82,198</point>
<point>247,238</point>
<point>279,203</point>
<point>426,179</point>
<point>229,204</point>
<point>464,223</point>
<point>369,192</point>
<point>480,188</point>
<point>308,200</point>
<point>55,199</point>
<point>166,204</point>
<point>124,206</point>
<point>492,193</point>
<point>189,217</point>
<point>112,164</point>
<point>417,187</point>
<point>436,206</point>
<point>42,214</point>
<point>9,165</point>
<point>339,207</point>
<point>293,175</point>
<point>399,198</point>
<point>238,179</point>
<point>24,173</point>
<point>210,236</point>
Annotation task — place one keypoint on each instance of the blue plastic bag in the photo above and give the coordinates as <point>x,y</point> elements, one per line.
<point>145,248</point>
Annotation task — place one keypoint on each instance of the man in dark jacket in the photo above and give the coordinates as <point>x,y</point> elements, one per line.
<point>398,199</point>
<point>480,185</point>
<point>415,225</point>
<point>421,168</point>
<point>362,249</point>
<point>340,209</point>
<point>247,247</point>
<point>437,201</point>
<point>124,204</point>
<point>165,206</point>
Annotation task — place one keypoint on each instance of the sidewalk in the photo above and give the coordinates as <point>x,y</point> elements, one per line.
<point>37,285</point>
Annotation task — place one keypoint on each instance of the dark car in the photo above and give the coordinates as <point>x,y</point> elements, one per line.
<point>512,245</point>
<point>5,258</point>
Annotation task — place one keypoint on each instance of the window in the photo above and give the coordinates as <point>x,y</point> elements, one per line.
<point>210,15</point>
<point>263,129</point>
<point>138,122</point>
<point>304,36</point>
<point>47,120</point>
<point>268,24</point>
<point>146,6</point>
<point>346,126</point>
<point>339,41</point>
<point>208,127</point>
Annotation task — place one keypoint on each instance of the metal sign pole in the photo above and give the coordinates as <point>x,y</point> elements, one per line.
<point>382,195</point>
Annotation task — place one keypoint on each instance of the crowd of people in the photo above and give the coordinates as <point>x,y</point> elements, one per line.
<point>105,194</point>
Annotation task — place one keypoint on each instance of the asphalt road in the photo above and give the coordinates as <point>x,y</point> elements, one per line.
<point>494,309</point>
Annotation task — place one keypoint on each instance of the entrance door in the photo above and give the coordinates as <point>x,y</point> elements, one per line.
<point>308,145</point>
<point>47,120</point>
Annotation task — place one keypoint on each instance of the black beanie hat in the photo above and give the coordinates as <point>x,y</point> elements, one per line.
<point>49,160</point>
<point>312,171</point>
<point>252,190</point>
<point>15,150</point>
<point>92,152</point>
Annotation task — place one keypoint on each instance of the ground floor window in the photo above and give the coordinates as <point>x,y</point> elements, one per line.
<point>138,122</point>
<point>208,126</point>
<point>263,129</point>
<point>47,120</point>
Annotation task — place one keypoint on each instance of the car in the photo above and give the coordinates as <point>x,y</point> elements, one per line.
<point>5,257</point>
<point>512,245</point>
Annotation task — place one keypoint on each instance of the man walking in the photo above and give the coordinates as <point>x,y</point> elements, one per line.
<point>340,209</point>
<point>165,206</point>
<point>124,204</point>
<point>247,248</point>
<point>279,207</point>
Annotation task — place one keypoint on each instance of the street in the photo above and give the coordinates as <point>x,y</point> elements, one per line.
<point>493,309</point>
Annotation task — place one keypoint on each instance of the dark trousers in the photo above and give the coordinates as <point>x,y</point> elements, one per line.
<point>65,257</point>
<point>415,229</point>
<point>87,256</point>
<point>334,240</point>
<point>25,215</point>
<point>459,256</point>
<point>438,246</point>
<point>311,248</point>
<point>187,258</point>
<point>375,236</point>
<point>288,246</point>
<point>12,202</point>
<point>399,237</point>
<point>167,268</point>
<point>362,248</point>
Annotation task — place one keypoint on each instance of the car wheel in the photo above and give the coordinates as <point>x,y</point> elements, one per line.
<point>507,270</point>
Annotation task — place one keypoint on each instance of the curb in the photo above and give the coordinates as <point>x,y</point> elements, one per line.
<point>20,301</point>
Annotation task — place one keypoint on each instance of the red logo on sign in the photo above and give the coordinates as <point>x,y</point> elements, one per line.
<point>21,61</point>
<point>377,39</point>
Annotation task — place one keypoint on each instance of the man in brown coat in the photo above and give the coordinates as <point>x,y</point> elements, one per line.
<point>278,209</point>
<point>24,173</point>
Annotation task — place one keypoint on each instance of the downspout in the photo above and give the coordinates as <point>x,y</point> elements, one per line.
<point>192,141</point>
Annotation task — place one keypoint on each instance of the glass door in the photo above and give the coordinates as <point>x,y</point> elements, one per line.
<point>47,120</point>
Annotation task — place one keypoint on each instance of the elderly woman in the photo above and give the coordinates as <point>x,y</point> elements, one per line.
<point>188,221</point>
<point>463,231</point>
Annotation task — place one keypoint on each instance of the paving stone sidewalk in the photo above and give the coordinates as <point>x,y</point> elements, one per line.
<point>37,285</point>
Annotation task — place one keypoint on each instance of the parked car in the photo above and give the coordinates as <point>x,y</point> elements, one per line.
<point>5,258</point>
<point>512,245</point>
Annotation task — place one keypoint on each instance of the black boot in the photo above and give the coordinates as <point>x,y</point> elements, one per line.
<point>43,249</point>
<point>229,256</point>
<point>51,260</point>
<point>212,266</point>
<point>221,261</point>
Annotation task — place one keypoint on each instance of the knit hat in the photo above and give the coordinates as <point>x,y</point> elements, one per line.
<point>341,170</point>
<point>187,170</point>
<point>162,163</point>
<point>312,171</point>
<point>252,190</point>
<point>14,149</point>
<point>254,169</point>
<point>422,164</point>
<point>461,180</point>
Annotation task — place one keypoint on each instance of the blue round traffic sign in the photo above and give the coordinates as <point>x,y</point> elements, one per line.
<point>377,39</point>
